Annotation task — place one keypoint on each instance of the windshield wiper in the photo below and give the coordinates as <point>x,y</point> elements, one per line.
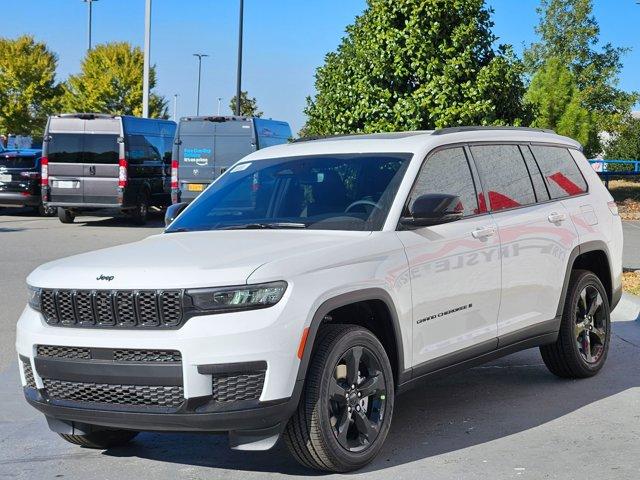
<point>260,226</point>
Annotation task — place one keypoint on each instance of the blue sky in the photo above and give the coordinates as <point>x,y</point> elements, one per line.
<point>285,40</point>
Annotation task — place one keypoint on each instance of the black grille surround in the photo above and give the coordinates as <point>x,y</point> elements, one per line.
<point>113,308</point>
<point>118,355</point>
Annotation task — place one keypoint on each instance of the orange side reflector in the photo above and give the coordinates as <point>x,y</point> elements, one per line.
<point>303,342</point>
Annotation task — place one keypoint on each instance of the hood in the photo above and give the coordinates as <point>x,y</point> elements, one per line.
<point>185,260</point>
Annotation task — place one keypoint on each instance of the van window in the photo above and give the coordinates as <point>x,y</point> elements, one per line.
<point>504,174</point>
<point>447,171</point>
<point>81,148</point>
<point>560,171</point>
<point>144,148</point>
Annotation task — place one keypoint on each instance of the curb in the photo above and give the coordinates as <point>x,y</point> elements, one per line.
<point>629,307</point>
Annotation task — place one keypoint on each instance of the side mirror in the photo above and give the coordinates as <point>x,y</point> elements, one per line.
<point>173,211</point>
<point>434,209</point>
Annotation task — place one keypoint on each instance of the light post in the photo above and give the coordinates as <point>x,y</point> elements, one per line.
<point>175,107</point>
<point>147,53</point>
<point>239,80</point>
<point>219,100</point>
<point>89,21</point>
<point>200,56</point>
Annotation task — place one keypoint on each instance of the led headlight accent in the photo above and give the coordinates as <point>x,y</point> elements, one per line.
<point>230,299</point>
<point>35,297</point>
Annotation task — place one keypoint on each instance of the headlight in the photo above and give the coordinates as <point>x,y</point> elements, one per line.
<point>35,297</point>
<point>231,299</point>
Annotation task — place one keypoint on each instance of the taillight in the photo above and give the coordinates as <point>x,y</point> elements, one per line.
<point>44,169</point>
<point>122,173</point>
<point>174,174</point>
<point>613,207</point>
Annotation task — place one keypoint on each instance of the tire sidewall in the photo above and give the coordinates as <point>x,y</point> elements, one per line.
<point>584,280</point>
<point>365,339</point>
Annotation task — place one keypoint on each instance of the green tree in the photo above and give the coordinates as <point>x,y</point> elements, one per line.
<point>28,88</point>
<point>248,105</point>
<point>558,104</point>
<point>569,32</point>
<point>110,81</point>
<point>417,64</point>
<point>625,144</point>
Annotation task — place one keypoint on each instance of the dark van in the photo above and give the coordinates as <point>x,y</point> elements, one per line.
<point>96,163</point>
<point>207,146</point>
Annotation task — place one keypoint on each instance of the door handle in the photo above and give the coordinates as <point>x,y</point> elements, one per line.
<point>484,232</point>
<point>556,217</point>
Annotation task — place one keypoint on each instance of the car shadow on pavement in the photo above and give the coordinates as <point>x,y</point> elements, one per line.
<point>155,220</point>
<point>503,398</point>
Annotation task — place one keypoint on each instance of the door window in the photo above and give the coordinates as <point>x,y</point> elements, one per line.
<point>504,174</point>
<point>542,194</point>
<point>447,171</point>
<point>560,171</point>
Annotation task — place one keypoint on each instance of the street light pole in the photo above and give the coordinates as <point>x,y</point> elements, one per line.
<point>175,107</point>
<point>239,80</point>
<point>89,21</point>
<point>147,53</point>
<point>200,56</point>
<point>219,100</point>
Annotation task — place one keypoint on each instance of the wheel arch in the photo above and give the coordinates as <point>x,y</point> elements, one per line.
<point>593,256</point>
<point>335,310</point>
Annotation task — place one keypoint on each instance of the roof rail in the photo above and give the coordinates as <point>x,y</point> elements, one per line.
<point>311,138</point>
<point>445,131</point>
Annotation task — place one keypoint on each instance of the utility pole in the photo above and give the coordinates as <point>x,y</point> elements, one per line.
<point>219,100</point>
<point>175,107</point>
<point>147,54</point>
<point>200,56</point>
<point>89,21</point>
<point>239,80</point>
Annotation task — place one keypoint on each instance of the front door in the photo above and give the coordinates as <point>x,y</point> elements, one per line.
<point>454,268</point>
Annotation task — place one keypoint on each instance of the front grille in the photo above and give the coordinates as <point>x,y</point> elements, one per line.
<point>28,375</point>
<point>159,396</point>
<point>63,352</point>
<point>118,355</point>
<point>236,387</point>
<point>166,356</point>
<point>113,308</point>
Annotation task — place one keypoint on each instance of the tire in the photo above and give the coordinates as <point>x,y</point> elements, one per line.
<point>584,337</point>
<point>65,215</point>
<point>102,439</point>
<point>313,433</point>
<point>141,213</point>
<point>44,211</point>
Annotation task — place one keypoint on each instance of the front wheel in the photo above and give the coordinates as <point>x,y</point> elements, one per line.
<point>585,332</point>
<point>101,439</point>
<point>346,406</point>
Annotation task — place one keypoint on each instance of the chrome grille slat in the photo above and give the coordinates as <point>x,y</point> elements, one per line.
<point>113,308</point>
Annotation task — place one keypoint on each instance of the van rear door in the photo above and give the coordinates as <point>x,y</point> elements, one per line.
<point>235,139</point>
<point>100,178</point>
<point>66,167</point>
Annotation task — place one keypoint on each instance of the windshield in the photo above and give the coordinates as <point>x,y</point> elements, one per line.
<point>333,192</point>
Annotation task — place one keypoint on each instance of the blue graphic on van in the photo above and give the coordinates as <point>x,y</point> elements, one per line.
<point>199,156</point>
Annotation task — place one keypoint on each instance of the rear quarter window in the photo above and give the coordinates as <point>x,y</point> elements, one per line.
<point>560,172</point>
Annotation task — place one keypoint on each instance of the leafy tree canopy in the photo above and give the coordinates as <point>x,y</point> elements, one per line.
<point>28,90</point>
<point>110,81</point>
<point>417,64</point>
<point>248,105</point>
<point>569,33</point>
<point>625,145</point>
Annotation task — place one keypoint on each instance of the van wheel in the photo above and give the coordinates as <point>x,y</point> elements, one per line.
<point>102,439</point>
<point>65,215</point>
<point>585,332</point>
<point>45,211</point>
<point>141,212</point>
<point>346,406</point>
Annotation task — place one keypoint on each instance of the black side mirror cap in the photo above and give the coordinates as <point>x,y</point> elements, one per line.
<point>433,209</point>
<point>173,211</point>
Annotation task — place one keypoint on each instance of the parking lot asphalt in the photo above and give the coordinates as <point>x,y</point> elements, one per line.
<point>507,419</point>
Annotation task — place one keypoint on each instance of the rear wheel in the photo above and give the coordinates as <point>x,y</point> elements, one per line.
<point>585,332</point>
<point>140,214</point>
<point>65,215</point>
<point>102,439</point>
<point>346,407</point>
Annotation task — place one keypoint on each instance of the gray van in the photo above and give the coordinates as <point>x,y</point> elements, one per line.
<point>207,146</point>
<point>92,162</point>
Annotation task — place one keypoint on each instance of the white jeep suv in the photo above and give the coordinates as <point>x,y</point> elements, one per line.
<point>315,281</point>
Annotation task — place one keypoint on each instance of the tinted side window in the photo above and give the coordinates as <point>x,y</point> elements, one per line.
<point>65,148</point>
<point>504,176</point>
<point>83,148</point>
<point>536,177</point>
<point>101,149</point>
<point>447,171</point>
<point>560,171</point>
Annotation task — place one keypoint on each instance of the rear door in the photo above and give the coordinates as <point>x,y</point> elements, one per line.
<point>195,149</point>
<point>234,140</point>
<point>66,167</point>
<point>100,168</point>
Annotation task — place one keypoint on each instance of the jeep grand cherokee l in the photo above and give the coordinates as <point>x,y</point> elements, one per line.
<point>313,282</point>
